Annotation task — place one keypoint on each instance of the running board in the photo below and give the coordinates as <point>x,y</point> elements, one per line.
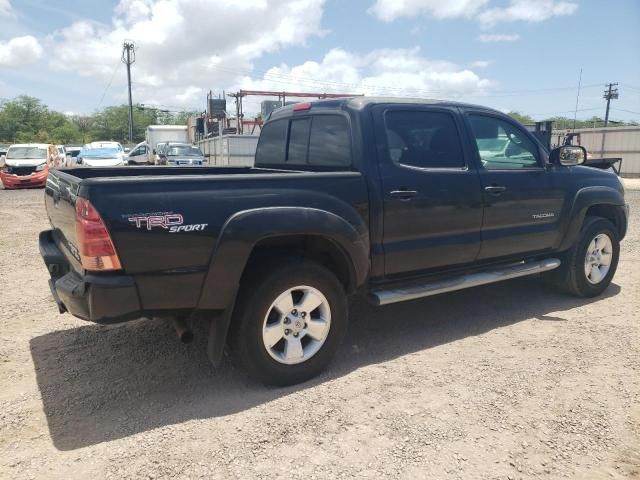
<point>401,294</point>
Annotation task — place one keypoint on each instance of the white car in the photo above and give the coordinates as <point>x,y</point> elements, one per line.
<point>100,157</point>
<point>106,144</point>
<point>113,151</point>
<point>139,154</point>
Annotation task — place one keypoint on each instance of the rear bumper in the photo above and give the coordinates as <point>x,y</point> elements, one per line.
<point>97,298</point>
<point>36,179</point>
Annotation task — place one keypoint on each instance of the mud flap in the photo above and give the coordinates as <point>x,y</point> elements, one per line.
<point>218,334</point>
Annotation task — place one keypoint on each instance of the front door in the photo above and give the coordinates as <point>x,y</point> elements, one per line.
<point>432,206</point>
<point>522,201</point>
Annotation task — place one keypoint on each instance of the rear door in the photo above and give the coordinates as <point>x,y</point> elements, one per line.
<point>522,199</point>
<point>432,207</point>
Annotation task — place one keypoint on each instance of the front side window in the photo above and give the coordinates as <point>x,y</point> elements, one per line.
<point>501,145</point>
<point>423,139</point>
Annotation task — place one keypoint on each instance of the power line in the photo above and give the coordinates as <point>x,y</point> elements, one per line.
<point>113,74</point>
<point>565,111</point>
<point>623,110</point>
<point>287,79</point>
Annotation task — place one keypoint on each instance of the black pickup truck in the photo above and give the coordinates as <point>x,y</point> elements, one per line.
<point>391,198</point>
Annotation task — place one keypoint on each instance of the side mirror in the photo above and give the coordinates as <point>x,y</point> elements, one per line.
<point>154,151</point>
<point>568,155</point>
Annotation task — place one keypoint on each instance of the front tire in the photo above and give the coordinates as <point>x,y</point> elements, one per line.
<point>590,265</point>
<point>289,321</point>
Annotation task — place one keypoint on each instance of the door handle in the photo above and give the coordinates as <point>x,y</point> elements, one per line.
<point>495,189</point>
<point>403,195</point>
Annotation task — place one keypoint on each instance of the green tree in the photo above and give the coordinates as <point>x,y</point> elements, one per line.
<point>522,118</point>
<point>22,117</point>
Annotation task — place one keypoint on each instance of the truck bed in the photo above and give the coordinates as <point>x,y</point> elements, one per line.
<point>119,172</point>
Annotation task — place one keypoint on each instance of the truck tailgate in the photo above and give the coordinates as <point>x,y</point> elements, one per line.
<point>60,197</point>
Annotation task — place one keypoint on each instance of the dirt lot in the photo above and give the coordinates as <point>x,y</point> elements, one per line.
<point>512,380</point>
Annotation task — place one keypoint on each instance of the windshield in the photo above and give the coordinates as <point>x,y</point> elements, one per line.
<point>186,150</point>
<point>100,153</point>
<point>30,153</point>
<point>114,145</point>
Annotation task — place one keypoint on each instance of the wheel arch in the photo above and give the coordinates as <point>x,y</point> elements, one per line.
<point>249,233</point>
<point>604,202</point>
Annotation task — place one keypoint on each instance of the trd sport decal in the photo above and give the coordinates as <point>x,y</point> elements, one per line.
<point>174,222</point>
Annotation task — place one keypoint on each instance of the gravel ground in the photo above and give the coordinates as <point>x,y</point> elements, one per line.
<point>511,380</point>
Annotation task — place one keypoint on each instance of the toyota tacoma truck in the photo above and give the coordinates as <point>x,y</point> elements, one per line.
<point>394,199</point>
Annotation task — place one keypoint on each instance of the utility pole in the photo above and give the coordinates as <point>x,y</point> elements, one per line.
<point>609,94</point>
<point>129,57</point>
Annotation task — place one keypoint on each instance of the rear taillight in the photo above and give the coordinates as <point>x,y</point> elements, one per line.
<point>97,252</point>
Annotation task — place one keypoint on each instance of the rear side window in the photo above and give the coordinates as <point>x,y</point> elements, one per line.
<point>319,140</point>
<point>423,139</point>
<point>330,142</point>
<point>271,146</point>
<point>298,141</point>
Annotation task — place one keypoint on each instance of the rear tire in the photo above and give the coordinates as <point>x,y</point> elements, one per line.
<point>289,321</point>
<point>589,266</point>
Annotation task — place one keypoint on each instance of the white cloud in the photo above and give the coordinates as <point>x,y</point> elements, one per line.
<point>385,72</point>
<point>527,11</point>
<point>480,64</point>
<point>516,10</point>
<point>498,37</point>
<point>5,8</point>
<point>390,10</point>
<point>184,47</point>
<point>20,51</point>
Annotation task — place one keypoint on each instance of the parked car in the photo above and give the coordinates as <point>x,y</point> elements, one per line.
<point>158,151</point>
<point>27,165</point>
<point>180,154</point>
<point>3,153</point>
<point>388,198</point>
<point>100,157</point>
<point>138,155</point>
<point>71,156</point>
<point>105,144</point>
<point>61,157</point>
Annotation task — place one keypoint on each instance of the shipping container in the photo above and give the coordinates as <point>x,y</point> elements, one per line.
<point>230,150</point>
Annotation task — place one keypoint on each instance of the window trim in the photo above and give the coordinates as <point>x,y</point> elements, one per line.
<point>539,160</point>
<point>425,109</point>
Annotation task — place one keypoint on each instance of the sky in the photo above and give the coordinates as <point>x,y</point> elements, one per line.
<point>520,55</point>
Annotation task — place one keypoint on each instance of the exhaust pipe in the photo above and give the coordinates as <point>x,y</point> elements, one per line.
<point>184,332</point>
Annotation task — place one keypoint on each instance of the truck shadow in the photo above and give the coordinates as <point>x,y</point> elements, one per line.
<point>101,383</point>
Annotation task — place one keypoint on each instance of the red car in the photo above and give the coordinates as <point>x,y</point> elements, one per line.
<point>27,165</point>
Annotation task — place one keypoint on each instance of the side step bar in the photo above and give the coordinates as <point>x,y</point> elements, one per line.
<point>401,294</point>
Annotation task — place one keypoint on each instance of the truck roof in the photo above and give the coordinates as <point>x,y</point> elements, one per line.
<point>360,103</point>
